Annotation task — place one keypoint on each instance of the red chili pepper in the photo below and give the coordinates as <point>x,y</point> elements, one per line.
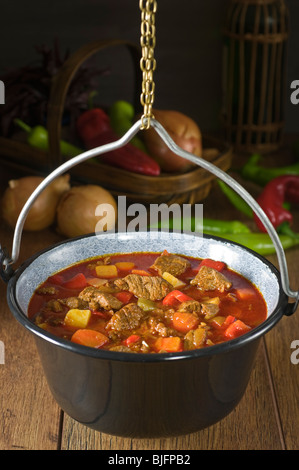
<point>94,129</point>
<point>131,339</point>
<point>292,190</point>
<point>210,263</point>
<point>76,282</point>
<point>92,123</point>
<point>282,189</point>
<point>56,279</point>
<point>175,297</point>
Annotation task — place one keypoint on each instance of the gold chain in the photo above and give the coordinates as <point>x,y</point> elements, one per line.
<point>147,62</point>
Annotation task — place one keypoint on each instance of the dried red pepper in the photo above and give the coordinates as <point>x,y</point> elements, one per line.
<point>94,129</point>
<point>284,188</point>
<point>292,190</point>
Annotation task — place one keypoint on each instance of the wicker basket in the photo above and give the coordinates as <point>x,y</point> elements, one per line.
<point>255,33</point>
<point>191,187</point>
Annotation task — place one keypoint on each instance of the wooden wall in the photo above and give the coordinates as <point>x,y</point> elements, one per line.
<point>188,51</point>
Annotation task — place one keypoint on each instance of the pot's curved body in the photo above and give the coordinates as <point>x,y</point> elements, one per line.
<point>147,399</point>
<point>147,395</point>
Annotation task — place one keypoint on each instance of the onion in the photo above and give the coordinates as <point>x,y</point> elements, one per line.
<point>185,133</point>
<point>76,211</point>
<point>43,211</point>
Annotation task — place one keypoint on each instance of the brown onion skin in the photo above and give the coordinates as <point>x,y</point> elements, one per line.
<point>185,133</point>
<point>43,211</point>
<point>76,210</point>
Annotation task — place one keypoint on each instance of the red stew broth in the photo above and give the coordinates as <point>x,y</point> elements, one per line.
<point>242,302</point>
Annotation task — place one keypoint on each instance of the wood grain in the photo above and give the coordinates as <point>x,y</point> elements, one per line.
<point>285,374</point>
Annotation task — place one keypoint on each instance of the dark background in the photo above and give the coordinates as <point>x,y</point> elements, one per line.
<point>188,51</point>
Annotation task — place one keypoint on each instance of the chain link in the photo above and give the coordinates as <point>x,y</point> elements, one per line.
<point>147,62</point>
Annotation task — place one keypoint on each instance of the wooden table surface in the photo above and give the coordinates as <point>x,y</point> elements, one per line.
<point>267,418</point>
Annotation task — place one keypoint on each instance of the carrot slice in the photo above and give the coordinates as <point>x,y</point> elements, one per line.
<point>124,296</point>
<point>91,338</point>
<point>184,322</point>
<point>236,329</point>
<point>141,272</point>
<point>169,344</point>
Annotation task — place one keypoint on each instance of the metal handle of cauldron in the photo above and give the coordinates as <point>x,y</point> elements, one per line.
<point>7,262</point>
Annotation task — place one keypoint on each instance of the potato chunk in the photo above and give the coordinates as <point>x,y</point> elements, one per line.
<point>77,318</point>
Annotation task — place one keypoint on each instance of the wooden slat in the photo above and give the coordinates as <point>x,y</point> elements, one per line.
<point>285,374</point>
<point>29,415</point>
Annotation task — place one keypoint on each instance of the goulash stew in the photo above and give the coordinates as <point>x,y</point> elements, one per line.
<point>147,303</point>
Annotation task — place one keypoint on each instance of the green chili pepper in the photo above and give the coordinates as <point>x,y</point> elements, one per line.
<point>206,225</point>
<point>260,242</point>
<point>146,304</point>
<point>261,175</point>
<point>233,231</point>
<point>235,199</point>
<point>121,115</point>
<point>38,137</point>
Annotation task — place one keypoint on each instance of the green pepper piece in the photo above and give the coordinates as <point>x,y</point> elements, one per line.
<point>146,304</point>
<point>235,199</point>
<point>260,242</point>
<point>224,226</point>
<point>261,175</point>
<point>38,137</point>
<point>121,114</point>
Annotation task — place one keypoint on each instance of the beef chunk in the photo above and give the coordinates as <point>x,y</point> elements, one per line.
<point>46,291</point>
<point>128,317</point>
<point>210,308</point>
<point>97,299</point>
<point>210,279</point>
<point>196,338</point>
<point>103,261</point>
<point>147,287</point>
<point>74,302</point>
<point>156,325</point>
<point>54,306</point>
<point>190,306</point>
<point>172,264</point>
